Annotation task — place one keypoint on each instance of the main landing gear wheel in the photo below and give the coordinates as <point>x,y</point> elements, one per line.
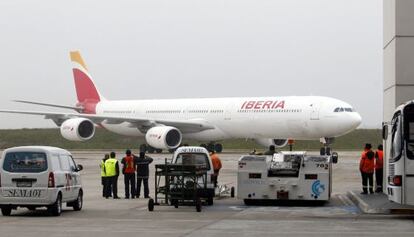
<point>218,147</point>
<point>150,149</point>
<point>232,191</point>
<point>210,147</point>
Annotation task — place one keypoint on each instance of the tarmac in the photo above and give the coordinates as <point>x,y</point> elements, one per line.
<point>345,214</point>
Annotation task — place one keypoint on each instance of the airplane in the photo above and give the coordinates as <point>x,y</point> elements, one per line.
<point>165,122</point>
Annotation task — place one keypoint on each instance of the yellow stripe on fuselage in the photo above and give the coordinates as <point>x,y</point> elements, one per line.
<point>76,57</point>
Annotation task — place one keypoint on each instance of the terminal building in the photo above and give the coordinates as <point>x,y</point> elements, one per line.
<point>398,47</point>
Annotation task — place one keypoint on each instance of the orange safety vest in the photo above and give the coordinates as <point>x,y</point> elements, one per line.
<point>367,165</point>
<point>216,162</point>
<point>379,159</point>
<point>129,165</point>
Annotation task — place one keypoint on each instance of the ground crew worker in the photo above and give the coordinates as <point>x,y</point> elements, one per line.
<point>271,150</point>
<point>128,170</point>
<point>104,182</point>
<point>112,173</point>
<point>379,169</point>
<point>142,166</point>
<point>366,167</point>
<point>216,166</point>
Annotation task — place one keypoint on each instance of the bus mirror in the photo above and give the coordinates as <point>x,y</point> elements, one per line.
<point>384,132</point>
<point>334,157</point>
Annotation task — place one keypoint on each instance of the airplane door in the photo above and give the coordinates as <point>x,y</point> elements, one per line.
<point>227,112</point>
<point>314,111</point>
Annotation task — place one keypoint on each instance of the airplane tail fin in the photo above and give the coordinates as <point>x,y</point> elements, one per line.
<point>87,93</point>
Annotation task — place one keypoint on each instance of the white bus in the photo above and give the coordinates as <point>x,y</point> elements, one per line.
<point>398,138</point>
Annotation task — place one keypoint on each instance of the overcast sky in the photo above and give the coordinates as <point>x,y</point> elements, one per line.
<point>187,48</point>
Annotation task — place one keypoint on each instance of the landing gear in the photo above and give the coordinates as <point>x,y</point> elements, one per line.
<point>326,149</point>
<point>149,149</point>
<point>217,147</point>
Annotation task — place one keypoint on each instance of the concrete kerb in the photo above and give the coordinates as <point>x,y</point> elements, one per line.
<point>378,203</point>
<point>364,205</point>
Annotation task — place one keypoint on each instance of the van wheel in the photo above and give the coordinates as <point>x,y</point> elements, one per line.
<point>6,211</point>
<point>78,203</point>
<point>56,208</point>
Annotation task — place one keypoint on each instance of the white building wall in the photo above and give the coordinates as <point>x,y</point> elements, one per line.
<point>398,54</point>
<point>398,58</point>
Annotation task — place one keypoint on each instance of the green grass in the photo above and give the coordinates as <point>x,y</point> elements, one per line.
<point>107,140</point>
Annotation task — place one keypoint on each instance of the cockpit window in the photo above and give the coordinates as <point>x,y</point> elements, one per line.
<point>340,109</point>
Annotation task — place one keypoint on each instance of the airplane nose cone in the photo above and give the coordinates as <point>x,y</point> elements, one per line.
<point>356,120</point>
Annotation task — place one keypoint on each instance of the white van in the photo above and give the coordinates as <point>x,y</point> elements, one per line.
<point>38,176</point>
<point>198,156</point>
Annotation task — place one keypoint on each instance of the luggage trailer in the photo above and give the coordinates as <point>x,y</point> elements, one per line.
<point>285,176</point>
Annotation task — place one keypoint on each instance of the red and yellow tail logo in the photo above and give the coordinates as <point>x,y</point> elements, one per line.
<point>88,95</point>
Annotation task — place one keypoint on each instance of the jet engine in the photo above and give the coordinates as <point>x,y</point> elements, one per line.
<point>163,137</point>
<point>77,129</point>
<point>269,141</point>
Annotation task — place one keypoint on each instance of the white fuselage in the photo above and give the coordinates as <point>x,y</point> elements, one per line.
<point>295,117</point>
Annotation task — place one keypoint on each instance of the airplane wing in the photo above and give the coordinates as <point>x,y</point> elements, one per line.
<point>143,124</point>
<point>77,109</point>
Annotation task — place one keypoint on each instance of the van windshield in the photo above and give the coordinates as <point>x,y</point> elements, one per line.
<point>193,159</point>
<point>25,162</point>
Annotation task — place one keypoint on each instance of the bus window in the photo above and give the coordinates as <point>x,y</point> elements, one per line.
<point>409,130</point>
<point>396,140</point>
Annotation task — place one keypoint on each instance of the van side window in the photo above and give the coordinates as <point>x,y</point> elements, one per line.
<point>64,162</point>
<point>55,162</point>
<point>71,163</point>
